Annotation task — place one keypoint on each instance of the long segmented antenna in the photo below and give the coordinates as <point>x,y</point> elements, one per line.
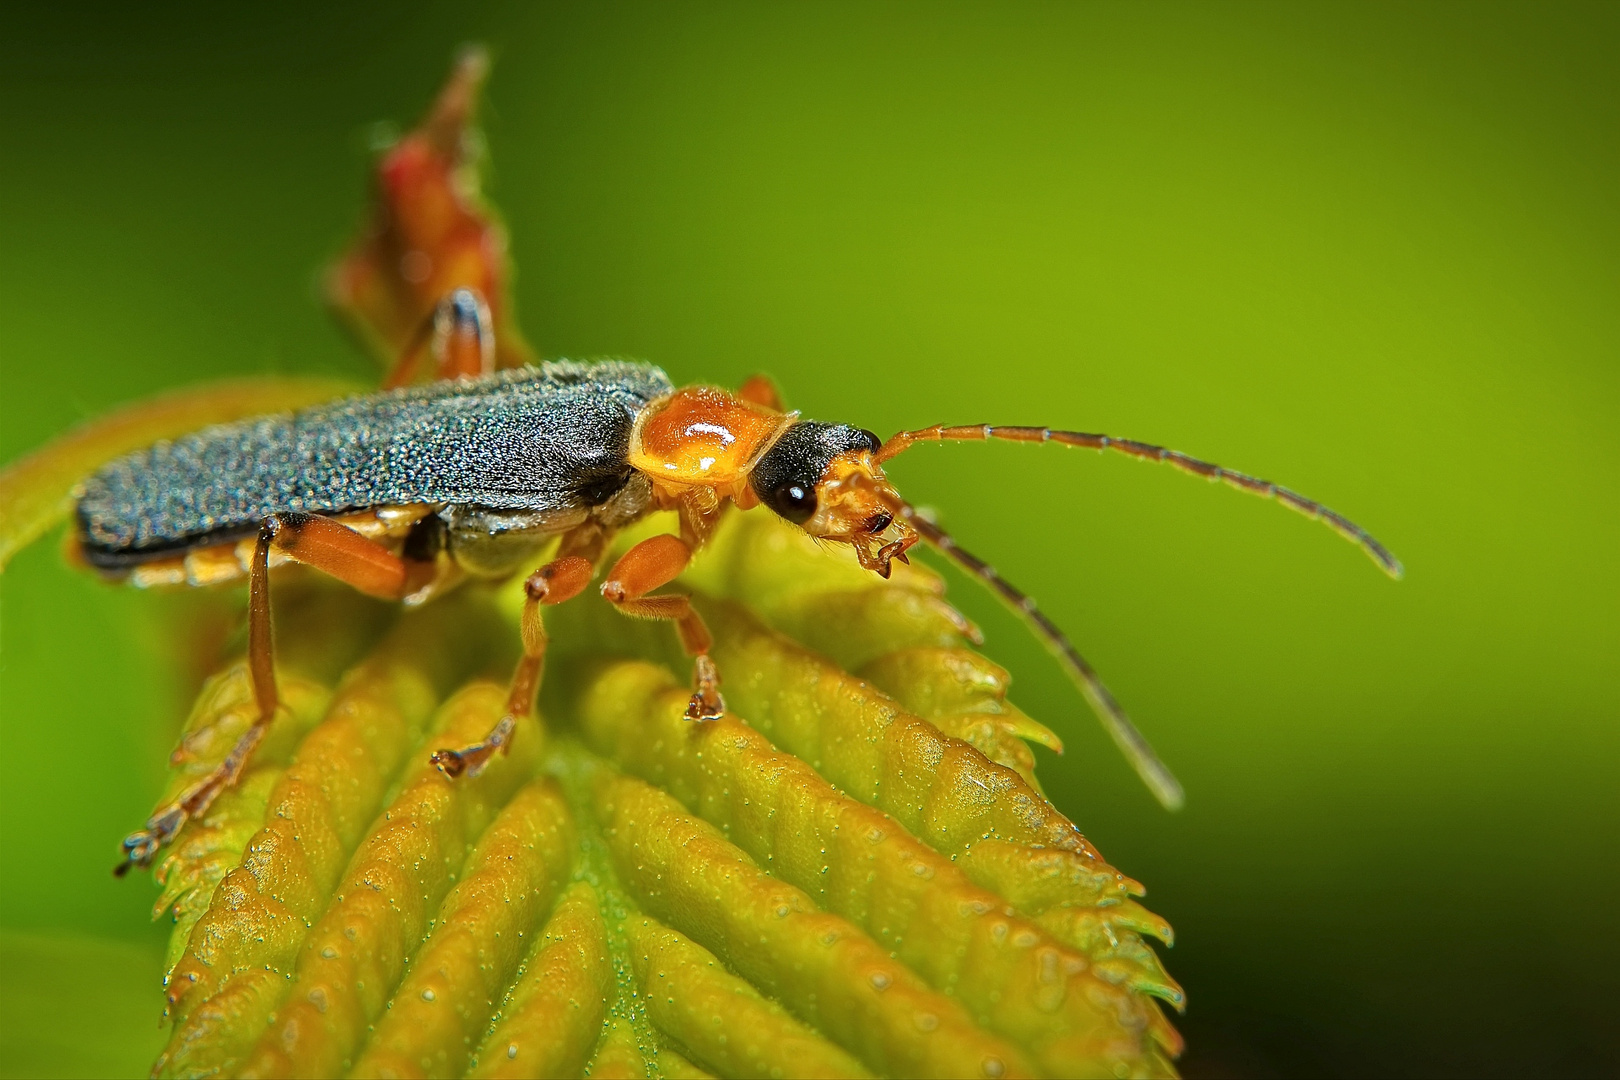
<point>1148,452</point>
<point>1131,742</point>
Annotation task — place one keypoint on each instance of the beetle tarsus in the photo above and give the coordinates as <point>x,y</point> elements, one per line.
<point>448,762</point>
<point>706,703</point>
<point>475,759</point>
<point>705,707</point>
<point>141,847</point>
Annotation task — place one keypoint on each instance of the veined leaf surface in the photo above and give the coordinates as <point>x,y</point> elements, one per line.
<point>824,882</point>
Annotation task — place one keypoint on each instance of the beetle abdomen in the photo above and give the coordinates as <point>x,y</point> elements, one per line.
<point>554,437</point>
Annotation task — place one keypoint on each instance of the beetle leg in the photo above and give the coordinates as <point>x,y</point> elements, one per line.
<point>459,336</point>
<point>760,390</point>
<point>654,562</point>
<point>329,547</point>
<point>699,512</point>
<point>559,580</point>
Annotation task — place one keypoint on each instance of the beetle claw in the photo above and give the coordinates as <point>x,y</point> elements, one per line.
<point>706,703</point>
<point>701,707</point>
<point>474,759</point>
<point>140,848</point>
<point>448,762</point>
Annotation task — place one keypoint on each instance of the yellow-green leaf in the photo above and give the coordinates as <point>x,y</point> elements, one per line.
<point>827,881</point>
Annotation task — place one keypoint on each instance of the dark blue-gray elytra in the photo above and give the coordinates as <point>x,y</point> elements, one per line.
<point>548,438</point>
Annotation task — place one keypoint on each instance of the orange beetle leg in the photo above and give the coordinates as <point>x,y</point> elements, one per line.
<point>459,336</point>
<point>561,579</point>
<point>329,547</point>
<point>654,562</point>
<point>761,390</point>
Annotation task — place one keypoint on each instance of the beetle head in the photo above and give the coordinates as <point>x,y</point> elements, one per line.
<point>822,478</point>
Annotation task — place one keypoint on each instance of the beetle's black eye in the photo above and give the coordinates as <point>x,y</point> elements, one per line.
<point>795,502</point>
<point>786,476</point>
<point>873,443</point>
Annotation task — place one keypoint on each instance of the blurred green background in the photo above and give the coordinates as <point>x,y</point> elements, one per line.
<point>1372,252</point>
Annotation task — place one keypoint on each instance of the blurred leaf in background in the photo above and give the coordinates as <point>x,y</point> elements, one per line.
<point>1370,252</point>
<point>51,985</point>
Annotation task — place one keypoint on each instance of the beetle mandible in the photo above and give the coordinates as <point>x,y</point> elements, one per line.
<point>405,492</point>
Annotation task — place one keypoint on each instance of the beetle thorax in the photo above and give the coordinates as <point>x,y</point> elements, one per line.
<point>703,437</point>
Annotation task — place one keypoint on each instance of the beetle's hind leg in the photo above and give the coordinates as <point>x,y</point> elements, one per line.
<point>459,337</point>
<point>327,546</point>
<point>561,579</point>
<point>654,562</point>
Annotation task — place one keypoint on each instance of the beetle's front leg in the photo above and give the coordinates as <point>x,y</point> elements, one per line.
<point>561,579</point>
<point>653,562</point>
